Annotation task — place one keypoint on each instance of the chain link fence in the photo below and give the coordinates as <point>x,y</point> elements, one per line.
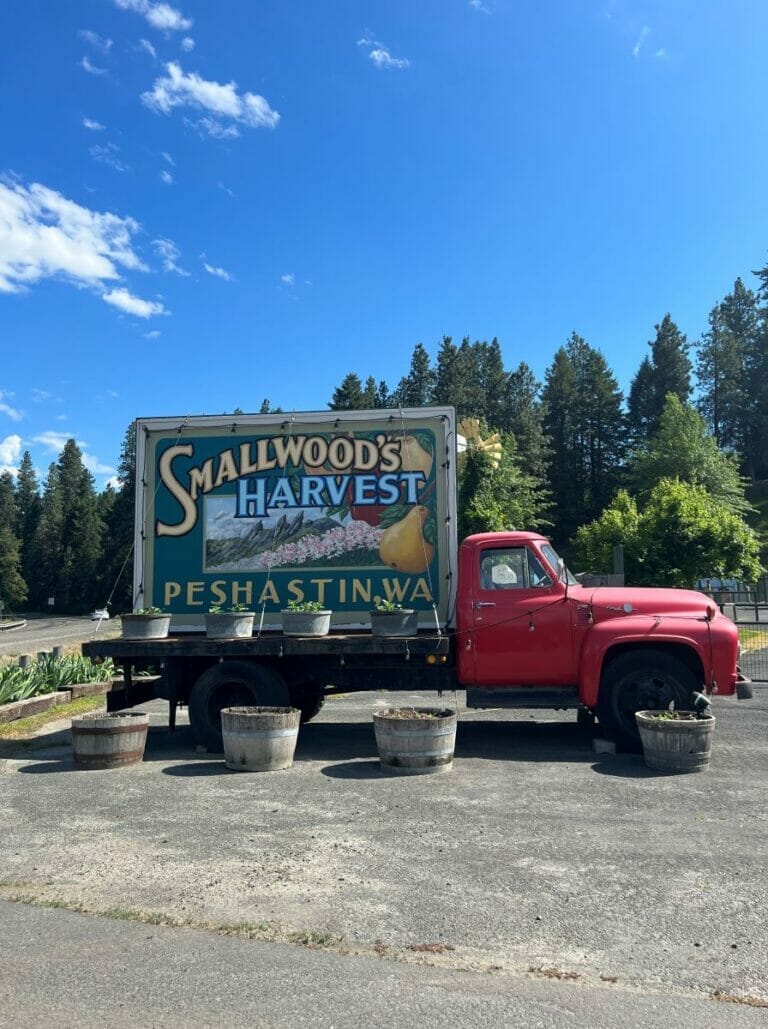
<point>752,621</point>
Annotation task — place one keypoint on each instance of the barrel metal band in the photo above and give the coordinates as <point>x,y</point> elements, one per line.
<point>422,732</point>
<point>409,755</point>
<point>116,730</point>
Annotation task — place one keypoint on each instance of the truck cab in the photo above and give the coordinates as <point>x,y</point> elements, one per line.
<point>529,635</point>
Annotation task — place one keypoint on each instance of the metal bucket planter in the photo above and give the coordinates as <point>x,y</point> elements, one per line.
<point>259,739</point>
<point>415,741</point>
<point>681,744</point>
<point>145,627</point>
<point>306,623</point>
<point>229,625</point>
<point>109,741</point>
<point>394,623</point>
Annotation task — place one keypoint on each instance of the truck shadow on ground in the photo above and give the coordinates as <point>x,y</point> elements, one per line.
<point>351,746</point>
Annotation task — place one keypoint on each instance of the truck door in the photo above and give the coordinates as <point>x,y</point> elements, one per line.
<point>521,620</point>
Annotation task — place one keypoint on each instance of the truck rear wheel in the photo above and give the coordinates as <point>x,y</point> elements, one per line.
<point>308,699</point>
<point>231,684</point>
<point>640,680</point>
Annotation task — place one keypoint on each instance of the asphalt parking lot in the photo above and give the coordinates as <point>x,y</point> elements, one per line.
<point>535,859</point>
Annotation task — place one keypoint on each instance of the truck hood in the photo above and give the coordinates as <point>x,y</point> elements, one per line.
<point>609,602</point>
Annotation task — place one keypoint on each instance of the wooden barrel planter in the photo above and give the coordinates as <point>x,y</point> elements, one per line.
<point>109,741</point>
<point>259,739</point>
<point>415,741</point>
<point>680,744</point>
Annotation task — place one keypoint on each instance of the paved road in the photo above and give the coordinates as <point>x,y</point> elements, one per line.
<point>65,969</point>
<point>534,858</point>
<point>43,633</point>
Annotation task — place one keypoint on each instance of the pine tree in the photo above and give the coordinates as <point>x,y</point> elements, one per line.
<point>640,403</point>
<point>585,425</point>
<point>721,367</point>
<point>671,366</point>
<point>756,388</point>
<point>369,393</point>
<point>493,382</point>
<point>416,388</point>
<point>117,577</point>
<point>81,532</point>
<point>349,396</point>
<point>46,550</point>
<point>13,588</point>
<point>522,415</point>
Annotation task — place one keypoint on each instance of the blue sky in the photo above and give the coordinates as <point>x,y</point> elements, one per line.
<point>203,205</point>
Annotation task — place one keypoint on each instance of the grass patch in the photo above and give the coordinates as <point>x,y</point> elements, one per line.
<point>24,728</point>
<point>266,932</point>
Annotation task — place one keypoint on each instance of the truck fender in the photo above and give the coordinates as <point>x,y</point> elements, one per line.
<point>630,632</point>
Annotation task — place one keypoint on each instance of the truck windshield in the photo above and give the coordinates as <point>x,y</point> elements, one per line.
<point>557,562</point>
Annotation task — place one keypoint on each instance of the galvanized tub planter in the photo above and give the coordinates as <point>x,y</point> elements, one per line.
<point>109,741</point>
<point>259,739</point>
<point>395,623</point>
<point>306,623</point>
<point>415,740</point>
<point>676,742</point>
<point>229,625</point>
<point>145,627</point>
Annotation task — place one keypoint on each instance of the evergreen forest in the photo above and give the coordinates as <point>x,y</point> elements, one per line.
<point>676,470</point>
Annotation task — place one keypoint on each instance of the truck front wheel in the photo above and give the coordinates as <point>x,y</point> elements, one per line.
<point>641,680</point>
<point>231,684</point>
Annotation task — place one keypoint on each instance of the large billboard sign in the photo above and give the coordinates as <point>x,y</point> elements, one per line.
<point>340,508</point>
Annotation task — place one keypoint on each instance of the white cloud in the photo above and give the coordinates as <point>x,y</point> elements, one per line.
<point>214,129</point>
<point>91,68</point>
<point>478,5</point>
<point>219,273</point>
<point>166,177</point>
<point>220,100</point>
<point>289,279</point>
<point>187,44</point>
<point>169,253</point>
<point>644,34</point>
<point>379,53</point>
<point>54,442</point>
<point>13,413</point>
<point>111,393</point>
<point>10,452</point>
<point>113,482</point>
<point>44,235</point>
<point>159,15</point>
<point>97,42</point>
<point>225,189</point>
<point>94,465</point>
<point>154,334</point>
<point>107,153</point>
<point>39,396</point>
<point>131,304</point>
<point>144,44</point>
<point>382,58</point>
<point>94,126</point>
<point>167,157</point>
<point>661,54</point>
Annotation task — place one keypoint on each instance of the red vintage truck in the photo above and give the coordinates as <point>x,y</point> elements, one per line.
<point>346,508</point>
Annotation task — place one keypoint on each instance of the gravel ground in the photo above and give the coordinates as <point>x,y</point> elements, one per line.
<point>533,857</point>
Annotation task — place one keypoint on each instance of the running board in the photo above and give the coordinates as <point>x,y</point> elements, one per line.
<point>553,697</point>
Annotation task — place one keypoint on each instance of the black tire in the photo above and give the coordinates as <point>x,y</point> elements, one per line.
<point>308,699</point>
<point>640,680</point>
<point>230,684</point>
